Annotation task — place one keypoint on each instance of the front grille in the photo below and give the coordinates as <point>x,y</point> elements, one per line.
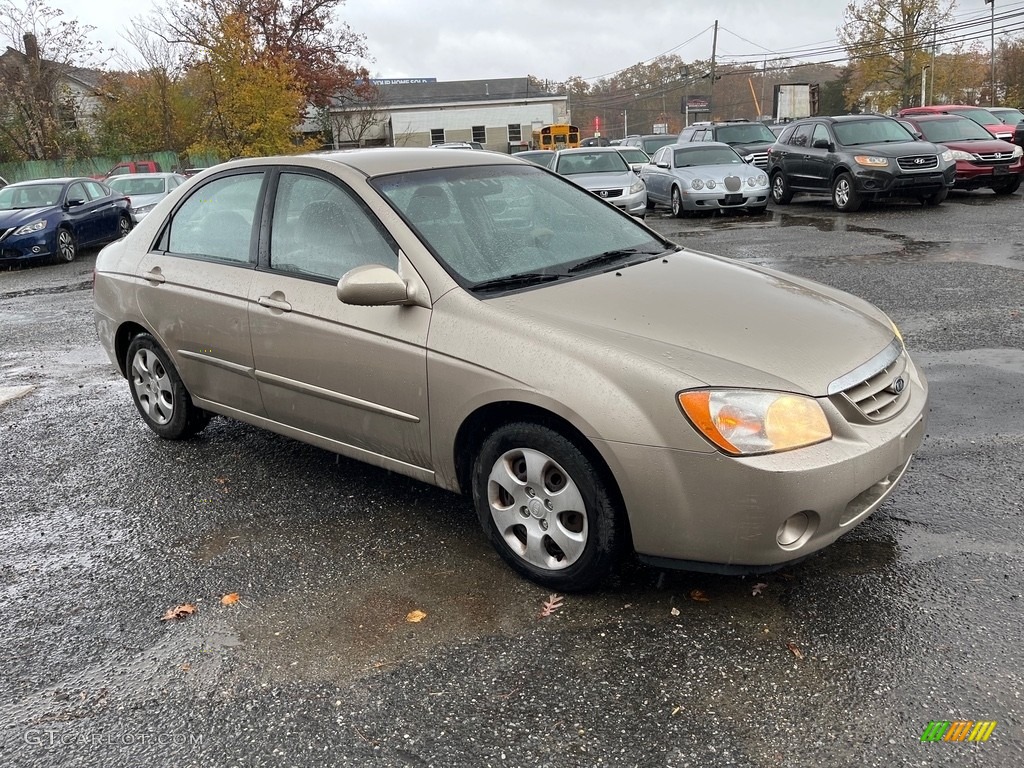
<point>608,192</point>
<point>733,183</point>
<point>918,162</point>
<point>759,159</point>
<point>996,158</point>
<point>880,388</point>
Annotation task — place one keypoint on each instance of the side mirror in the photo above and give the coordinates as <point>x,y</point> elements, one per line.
<point>662,165</point>
<point>72,202</point>
<point>822,144</point>
<point>372,285</point>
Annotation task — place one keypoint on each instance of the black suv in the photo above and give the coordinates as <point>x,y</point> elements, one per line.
<point>856,158</point>
<point>750,140</point>
<point>649,143</point>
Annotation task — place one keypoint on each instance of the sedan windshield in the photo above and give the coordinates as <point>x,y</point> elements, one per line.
<point>939,131</point>
<point>870,132</point>
<point>686,158</point>
<point>590,162</point>
<point>29,196</point>
<point>512,226</point>
<point>127,185</point>
<point>746,133</point>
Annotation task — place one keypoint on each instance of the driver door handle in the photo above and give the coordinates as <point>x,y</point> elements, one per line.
<point>266,301</point>
<point>155,276</point>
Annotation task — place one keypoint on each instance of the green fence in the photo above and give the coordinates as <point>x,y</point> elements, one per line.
<point>96,166</point>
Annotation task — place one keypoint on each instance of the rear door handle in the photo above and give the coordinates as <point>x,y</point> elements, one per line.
<point>266,301</point>
<point>155,276</point>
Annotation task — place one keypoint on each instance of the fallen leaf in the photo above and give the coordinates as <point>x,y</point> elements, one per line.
<point>759,588</point>
<point>415,616</point>
<point>229,599</point>
<point>700,597</point>
<point>795,650</point>
<point>674,611</point>
<point>178,612</point>
<point>552,604</point>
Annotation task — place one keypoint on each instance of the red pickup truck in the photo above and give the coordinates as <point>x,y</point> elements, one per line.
<point>132,166</point>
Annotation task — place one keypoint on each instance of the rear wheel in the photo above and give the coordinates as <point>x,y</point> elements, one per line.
<point>678,209</point>
<point>845,197</point>
<point>546,508</point>
<point>159,394</point>
<point>67,249</point>
<point>781,193</point>
<point>1008,187</point>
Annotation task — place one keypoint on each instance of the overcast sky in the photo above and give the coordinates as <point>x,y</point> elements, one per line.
<point>552,39</point>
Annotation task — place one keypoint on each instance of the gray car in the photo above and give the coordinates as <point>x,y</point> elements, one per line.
<point>484,325</point>
<point>145,190</point>
<point>604,171</point>
<point>704,176</point>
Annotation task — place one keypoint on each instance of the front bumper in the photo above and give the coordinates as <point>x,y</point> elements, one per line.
<point>972,176</point>
<point>876,184</point>
<point>704,199</point>
<point>709,511</point>
<point>21,248</point>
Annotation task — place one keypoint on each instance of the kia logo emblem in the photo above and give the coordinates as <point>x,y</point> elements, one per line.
<point>898,385</point>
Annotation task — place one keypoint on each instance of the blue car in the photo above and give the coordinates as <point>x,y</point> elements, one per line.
<point>53,218</point>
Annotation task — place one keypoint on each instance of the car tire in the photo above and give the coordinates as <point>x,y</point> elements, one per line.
<point>845,197</point>
<point>650,204</point>
<point>1007,188</point>
<point>935,199</point>
<point>546,508</point>
<point>124,226</point>
<point>758,210</point>
<point>781,193</point>
<point>676,203</point>
<point>67,248</point>
<point>159,393</point>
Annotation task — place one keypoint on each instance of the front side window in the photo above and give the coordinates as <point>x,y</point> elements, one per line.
<point>820,134</point>
<point>77,192</point>
<point>320,230</point>
<point>216,220</point>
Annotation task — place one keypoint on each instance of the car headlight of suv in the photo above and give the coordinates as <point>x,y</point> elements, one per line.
<point>744,422</point>
<point>1018,151</point>
<point>959,154</point>
<point>948,155</point>
<point>28,229</point>
<point>638,186</point>
<point>872,161</point>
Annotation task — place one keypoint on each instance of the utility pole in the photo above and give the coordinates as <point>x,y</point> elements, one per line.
<point>711,95</point>
<point>992,44</point>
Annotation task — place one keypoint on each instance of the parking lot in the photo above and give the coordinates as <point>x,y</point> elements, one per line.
<point>841,660</point>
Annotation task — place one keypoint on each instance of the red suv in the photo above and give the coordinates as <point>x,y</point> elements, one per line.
<point>981,161</point>
<point>981,116</point>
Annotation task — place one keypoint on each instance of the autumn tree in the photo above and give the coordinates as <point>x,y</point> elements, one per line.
<point>251,98</point>
<point>1010,65</point>
<point>39,110</point>
<point>888,43</point>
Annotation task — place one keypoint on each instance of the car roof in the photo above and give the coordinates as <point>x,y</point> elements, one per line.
<point>588,150</point>
<point>930,117</point>
<point>379,161</point>
<point>61,180</point>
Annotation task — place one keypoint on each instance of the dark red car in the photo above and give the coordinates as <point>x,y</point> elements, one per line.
<point>981,160</point>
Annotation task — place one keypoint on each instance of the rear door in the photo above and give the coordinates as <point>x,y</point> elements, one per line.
<point>194,286</point>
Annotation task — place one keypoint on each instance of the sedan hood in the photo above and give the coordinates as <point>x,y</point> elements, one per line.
<point>138,201</point>
<point>20,216</point>
<point>716,321</point>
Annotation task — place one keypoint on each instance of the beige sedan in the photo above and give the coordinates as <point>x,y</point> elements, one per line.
<point>479,323</point>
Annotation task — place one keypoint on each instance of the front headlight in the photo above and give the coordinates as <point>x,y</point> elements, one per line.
<point>958,154</point>
<point>144,208</point>
<point>762,180</point>
<point>697,184</point>
<point>948,156</point>
<point>710,184</point>
<point>1018,151</point>
<point>28,229</point>
<point>742,422</point>
<point>638,186</point>
<point>872,161</point>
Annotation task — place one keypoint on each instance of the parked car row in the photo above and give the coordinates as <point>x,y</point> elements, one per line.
<point>52,219</point>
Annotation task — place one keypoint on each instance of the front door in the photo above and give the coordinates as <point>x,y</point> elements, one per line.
<point>354,375</point>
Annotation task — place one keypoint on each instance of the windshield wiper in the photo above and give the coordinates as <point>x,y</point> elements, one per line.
<point>609,256</point>
<point>519,280</point>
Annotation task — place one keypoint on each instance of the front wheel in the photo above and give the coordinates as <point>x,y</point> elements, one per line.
<point>845,197</point>
<point>1007,188</point>
<point>935,199</point>
<point>546,508</point>
<point>124,226</point>
<point>159,393</point>
<point>67,249</point>
<point>678,209</point>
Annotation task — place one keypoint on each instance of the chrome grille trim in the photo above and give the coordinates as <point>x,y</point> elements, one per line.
<point>866,370</point>
<point>872,396</point>
<point>910,163</point>
<point>758,159</point>
<point>733,183</point>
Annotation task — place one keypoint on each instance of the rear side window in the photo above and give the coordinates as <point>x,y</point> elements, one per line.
<point>216,221</point>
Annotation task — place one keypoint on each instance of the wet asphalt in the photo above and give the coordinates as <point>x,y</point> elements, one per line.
<point>842,660</point>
